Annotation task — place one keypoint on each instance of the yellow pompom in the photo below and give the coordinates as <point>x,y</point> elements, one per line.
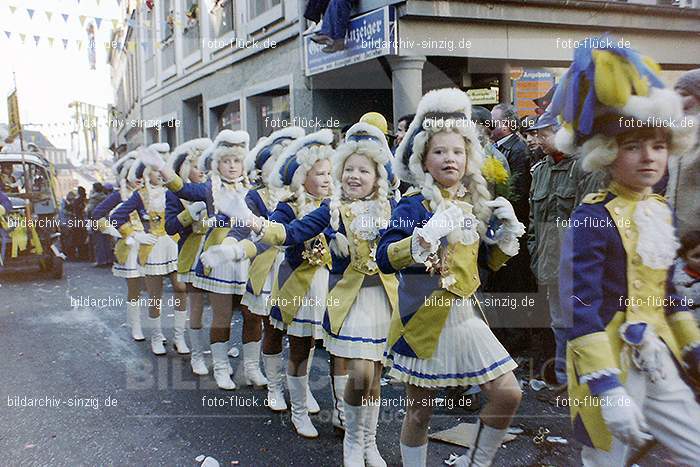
<point>493,171</point>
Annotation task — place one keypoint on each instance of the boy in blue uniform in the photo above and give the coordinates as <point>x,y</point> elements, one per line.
<point>633,346</point>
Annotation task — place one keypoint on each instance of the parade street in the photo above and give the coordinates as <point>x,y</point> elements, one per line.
<point>76,389</point>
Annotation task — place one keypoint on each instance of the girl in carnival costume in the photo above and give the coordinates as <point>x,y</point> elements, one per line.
<point>360,299</point>
<point>222,272</point>
<point>299,291</point>
<point>438,337</point>
<point>262,201</point>
<point>126,263</point>
<point>634,347</point>
<point>186,219</point>
<point>157,251</point>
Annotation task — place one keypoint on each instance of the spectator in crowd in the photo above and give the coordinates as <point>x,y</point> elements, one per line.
<point>530,135</point>
<point>504,134</point>
<point>100,244</point>
<point>517,277</point>
<point>683,191</point>
<point>335,26</point>
<point>686,276</point>
<point>481,117</point>
<point>558,185</point>
<point>80,229</point>
<point>401,128</point>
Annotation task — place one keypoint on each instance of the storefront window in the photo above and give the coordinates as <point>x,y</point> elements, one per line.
<point>228,116</point>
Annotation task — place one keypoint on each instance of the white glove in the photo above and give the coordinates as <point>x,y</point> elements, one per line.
<point>234,206</point>
<point>340,245</point>
<point>144,238</point>
<point>623,417</point>
<point>196,209</point>
<point>111,230</point>
<point>441,224</point>
<point>151,159</point>
<point>503,210</point>
<point>220,254</point>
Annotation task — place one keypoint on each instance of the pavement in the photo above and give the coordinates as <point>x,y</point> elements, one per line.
<point>76,390</point>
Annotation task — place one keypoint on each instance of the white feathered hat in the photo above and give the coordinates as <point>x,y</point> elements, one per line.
<point>297,159</point>
<point>187,154</point>
<point>229,143</point>
<point>261,159</point>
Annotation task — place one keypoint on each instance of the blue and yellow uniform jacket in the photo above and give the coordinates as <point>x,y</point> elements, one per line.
<point>604,283</point>
<point>259,201</point>
<point>178,221</point>
<point>129,217</point>
<point>424,299</point>
<point>221,232</point>
<point>349,274</point>
<point>307,251</point>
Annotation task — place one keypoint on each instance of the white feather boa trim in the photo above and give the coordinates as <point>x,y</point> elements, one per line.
<point>657,244</point>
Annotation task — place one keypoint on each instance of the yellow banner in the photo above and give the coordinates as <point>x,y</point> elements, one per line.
<point>13,114</point>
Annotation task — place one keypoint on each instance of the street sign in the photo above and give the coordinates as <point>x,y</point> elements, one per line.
<point>369,35</point>
<point>532,84</point>
<point>13,115</point>
<point>483,96</point>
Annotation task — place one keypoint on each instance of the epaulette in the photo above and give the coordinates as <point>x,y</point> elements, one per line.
<point>594,198</point>
<point>413,191</point>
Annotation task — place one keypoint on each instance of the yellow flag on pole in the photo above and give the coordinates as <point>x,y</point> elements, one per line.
<point>13,115</point>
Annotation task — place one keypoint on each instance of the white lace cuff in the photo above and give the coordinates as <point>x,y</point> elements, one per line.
<point>584,379</point>
<point>419,253</point>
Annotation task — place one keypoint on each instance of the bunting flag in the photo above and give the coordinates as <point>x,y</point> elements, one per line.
<point>98,2</point>
<point>22,37</point>
<point>30,12</point>
<point>36,40</point>
<point>98,21</point>
<point>8,34</point>
<point>12,9</point>
<point>48,15</point>
<point>50,39</point>
<point>65,43</point>
<point>65,17</point>
<point>119,2</point>
<point>82,19</point>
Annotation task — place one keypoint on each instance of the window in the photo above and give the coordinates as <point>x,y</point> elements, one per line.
<point>223,17</point>
<point>228,116</point>
<point>190,32</point>
<point>271,111</point>
<point>258,7</point>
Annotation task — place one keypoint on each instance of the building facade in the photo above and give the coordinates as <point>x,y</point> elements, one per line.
<point>199,66</point>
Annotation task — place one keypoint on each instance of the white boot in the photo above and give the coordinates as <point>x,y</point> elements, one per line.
<point>414,456</point>
<point>199,364</point>
<point>338,394</point>
<point>310,399</point>
<point>353,441</point>
<point>252,376</point>
<point>370,421</point>
<point>179,341</point>
<point>300,413</point>
<point>157,346</point>
<point>275,370</point>
<point>484,447</point>
<point>220,358</point>
<point>133,319</point>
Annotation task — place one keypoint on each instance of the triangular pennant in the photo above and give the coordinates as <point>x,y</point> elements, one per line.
<point>98,21</point>
<point>65,17</point>
<point>50,41</point>
<point>98,2</point>
<point>12,9</point>
<point>49,14</point>
<point>22,37</point>
<point>30,12</point>
<point>82,19</point>
<point>8,34</point>
<point>119,2</point>
<point>114,24</point>
<point>36,40</point>
<point>65,43</point>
